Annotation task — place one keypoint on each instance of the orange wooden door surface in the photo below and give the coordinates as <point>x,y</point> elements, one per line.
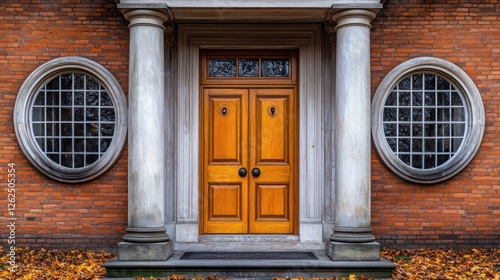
<point>250,128</point>
<point>271,151</point>
<point>225,146</point>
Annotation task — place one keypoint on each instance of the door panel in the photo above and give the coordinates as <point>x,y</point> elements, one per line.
<point>231,208</point>
<point>225,129</point>
<point>271,136</point>
<point>272,202</point>
<point>271,131</point>
<point>225,136</point>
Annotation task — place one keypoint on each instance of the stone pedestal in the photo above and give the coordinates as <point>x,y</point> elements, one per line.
<point>159,251</point>
<point>352,238</point>
<point>340,251</point>
<point>146,237</point>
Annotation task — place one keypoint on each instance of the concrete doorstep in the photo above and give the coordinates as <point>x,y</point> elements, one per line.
<point>324,267</point>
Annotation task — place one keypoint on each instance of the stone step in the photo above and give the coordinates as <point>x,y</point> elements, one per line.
<point>324,267</point>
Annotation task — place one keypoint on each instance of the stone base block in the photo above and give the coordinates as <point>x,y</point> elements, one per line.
<point>340,251</point>
<point>128,251</point>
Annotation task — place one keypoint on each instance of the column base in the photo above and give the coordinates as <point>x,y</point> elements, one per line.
<point>160,251</point>
<point>352,235</point>
<point>146,235</point>
<point>340,251</point>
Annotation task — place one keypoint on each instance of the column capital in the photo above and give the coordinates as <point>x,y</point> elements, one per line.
<point>152,15</point>
<point>347,17</point>
<point>330,31</point>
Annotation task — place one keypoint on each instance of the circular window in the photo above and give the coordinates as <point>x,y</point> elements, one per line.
<point>428,120</point>
<point>70,119</point>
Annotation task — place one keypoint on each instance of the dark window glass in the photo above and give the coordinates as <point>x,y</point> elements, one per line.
<point>248,67</point>
<point>404,99</point>
<point>424,120</point>
<point>275,68</point>
<point>222,67</point>
<point>106,99</point>
<point>390,114</point>
<point>390,129</point>
<point>73,120</point>
<point>392,99</point>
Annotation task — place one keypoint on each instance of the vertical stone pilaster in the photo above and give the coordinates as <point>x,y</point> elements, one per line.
<point>146,237</point>
<point>352,238</point>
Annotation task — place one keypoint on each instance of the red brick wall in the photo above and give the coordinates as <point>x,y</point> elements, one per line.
<point>51,214</point>
<point>463,211</point>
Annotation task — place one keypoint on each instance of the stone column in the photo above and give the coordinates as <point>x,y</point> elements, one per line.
<point>352,238</point>
<point>146,238</point>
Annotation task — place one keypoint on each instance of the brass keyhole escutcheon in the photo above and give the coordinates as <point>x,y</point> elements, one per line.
<point>223,111</point>
<point>272,111</point>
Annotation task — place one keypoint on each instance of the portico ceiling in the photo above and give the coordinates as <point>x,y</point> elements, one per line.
<point>250,11</point>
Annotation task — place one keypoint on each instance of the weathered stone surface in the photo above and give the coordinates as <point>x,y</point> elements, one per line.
<point>146,237</point>
<point>128,251</point>
<point>339,251</point>
<point>324,267</point>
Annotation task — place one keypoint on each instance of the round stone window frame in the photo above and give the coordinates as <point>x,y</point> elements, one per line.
<point>22,120</point>
<point>474,128</point>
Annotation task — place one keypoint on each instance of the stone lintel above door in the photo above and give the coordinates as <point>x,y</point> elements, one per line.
<point>313,11</point>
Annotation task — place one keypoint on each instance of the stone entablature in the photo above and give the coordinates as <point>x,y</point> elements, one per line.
<point>315,11</point>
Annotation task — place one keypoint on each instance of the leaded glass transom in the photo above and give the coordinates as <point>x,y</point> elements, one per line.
<point>424,120</point>
<point>222,67</point>
<point>248,67</point>
<point>275,67</point>
<point>73,120</point>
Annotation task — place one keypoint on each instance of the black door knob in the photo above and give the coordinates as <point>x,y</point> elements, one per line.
<point>242,172</point>
<point>256,172</point>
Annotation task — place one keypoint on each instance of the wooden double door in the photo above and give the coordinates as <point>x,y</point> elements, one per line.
<point>248,142</point>
<point>249,160</point>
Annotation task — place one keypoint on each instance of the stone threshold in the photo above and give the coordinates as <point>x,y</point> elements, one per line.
<point>251,245</point>
<point>324,267</point>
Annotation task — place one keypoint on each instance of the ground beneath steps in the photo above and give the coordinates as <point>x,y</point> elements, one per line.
<point>411,264</point>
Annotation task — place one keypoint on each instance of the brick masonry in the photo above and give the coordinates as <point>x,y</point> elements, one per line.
<point>461,212</point>
<point>51,214</point>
